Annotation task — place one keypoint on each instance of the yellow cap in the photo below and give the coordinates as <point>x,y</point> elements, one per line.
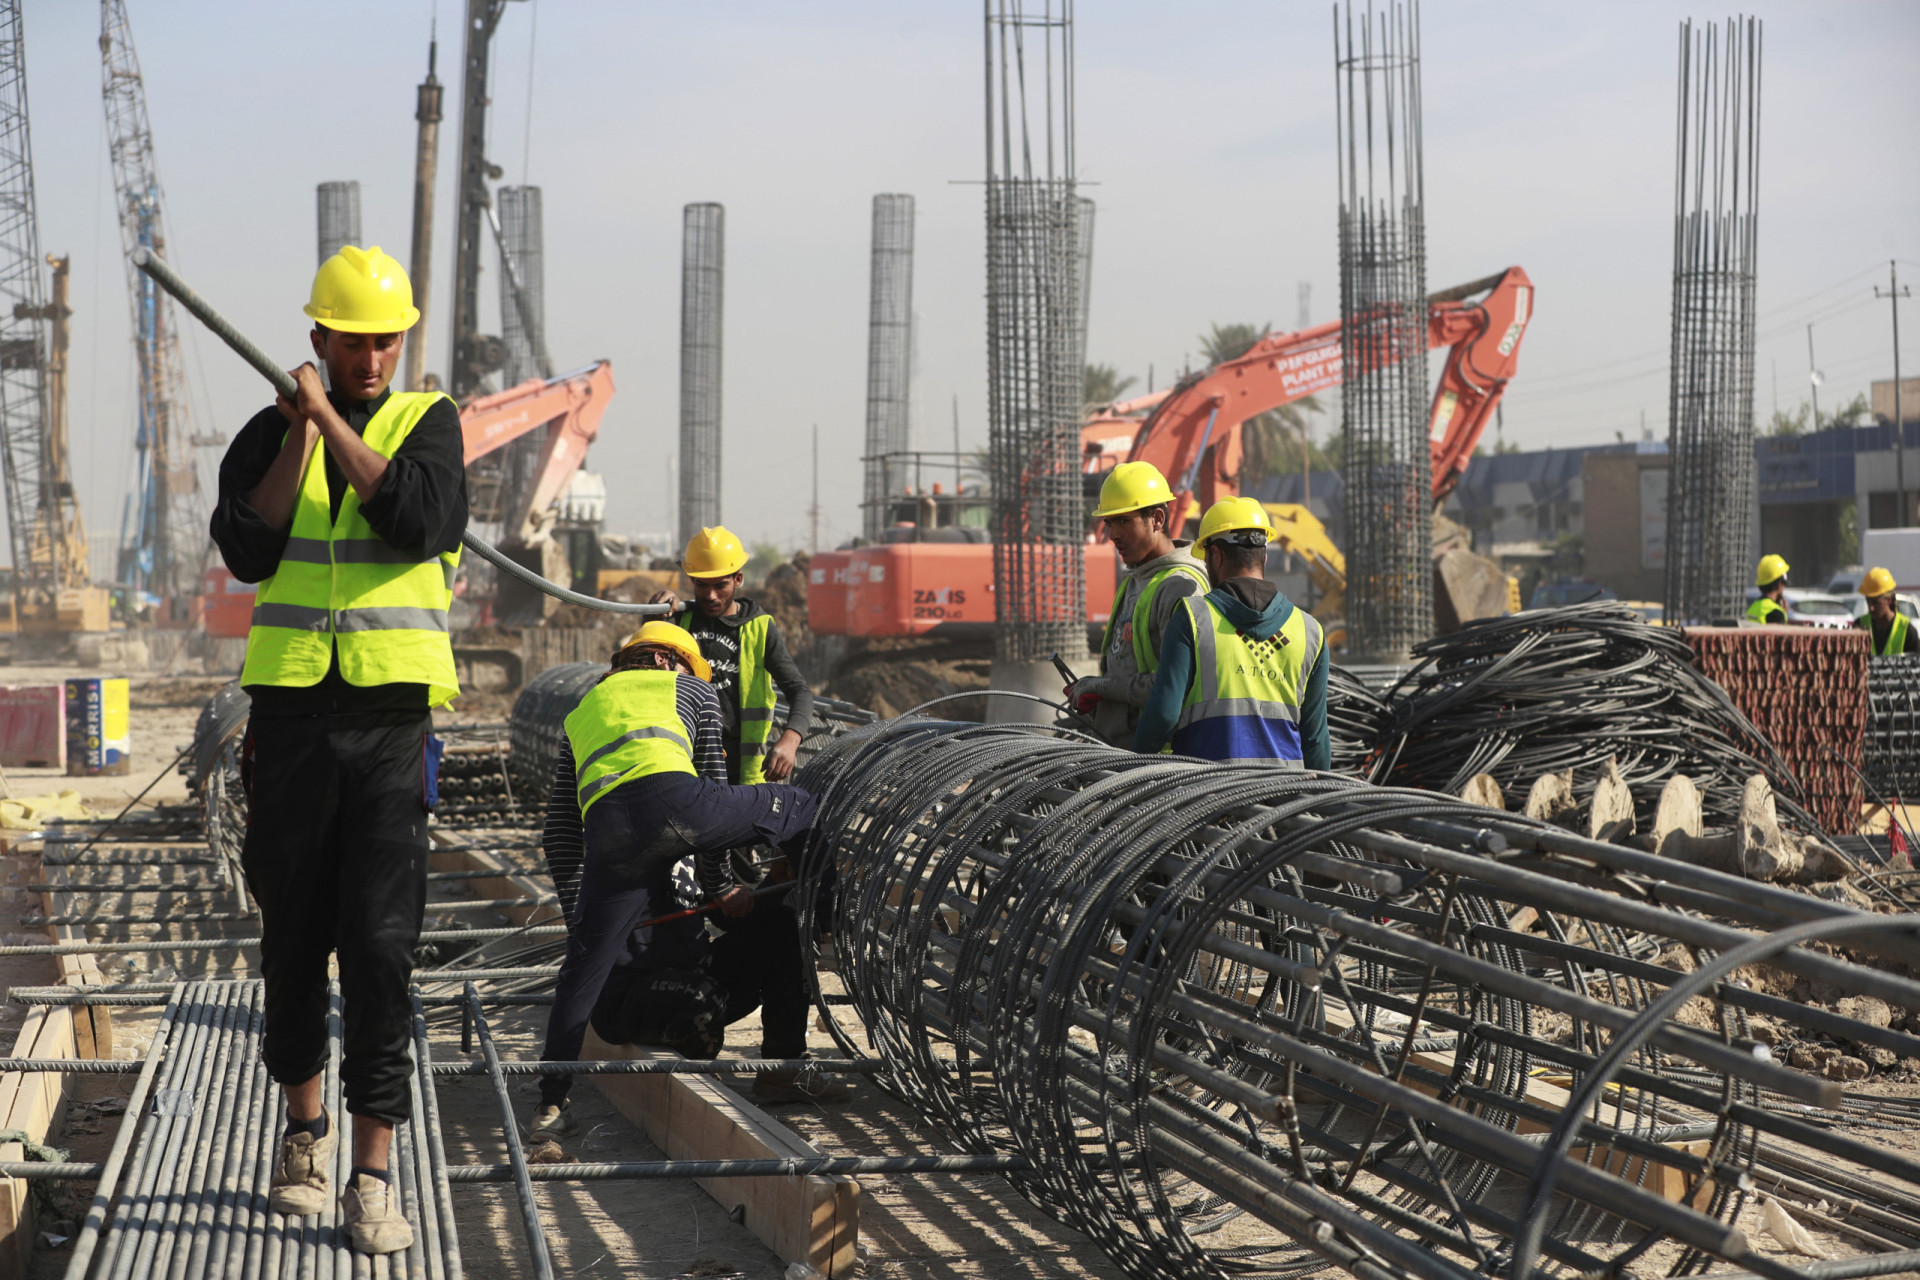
<point>1132,486</point>
<point>362,291</point>
<point>1772,569</point>
<point>1233,515</point>
<point>714,553</point>
<point>678,639</point>
<point>1877,583</point>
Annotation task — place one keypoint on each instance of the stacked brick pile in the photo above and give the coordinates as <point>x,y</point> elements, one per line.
<point>1805,688</point>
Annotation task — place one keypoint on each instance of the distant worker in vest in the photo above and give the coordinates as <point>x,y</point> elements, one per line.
<point>649,777</point>
<point>1771,578</point>
<point>749,657</point>
<point>1136,509</point>
<point>346,504</point>
<point>1891,630</point>
<point>1243,670</point>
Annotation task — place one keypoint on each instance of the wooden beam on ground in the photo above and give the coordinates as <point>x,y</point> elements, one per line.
<point>815,1220</point>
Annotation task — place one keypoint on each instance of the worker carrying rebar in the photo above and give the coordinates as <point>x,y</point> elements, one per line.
<point>1771,578</point>
<point>346,504</point>
<point>1889,630</point>
<point>1136,509</point>
<point>1243,670</point>
<point>649,777</point>
<point>749,656</point>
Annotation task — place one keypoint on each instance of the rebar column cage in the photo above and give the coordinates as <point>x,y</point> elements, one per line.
<point>1034,339</point>
<point>1710,479</point>
<point>1383,328</point>
<point>889,359</point>
<point>702,277</point>
<point>337,216</point>
<point>522,327</point>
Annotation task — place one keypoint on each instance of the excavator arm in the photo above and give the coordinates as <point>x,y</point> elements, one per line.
<point>573,402</point>
<point>1193,434</point>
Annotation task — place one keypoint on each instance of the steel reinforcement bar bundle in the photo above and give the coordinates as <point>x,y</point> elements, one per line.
<point>1239,1016</point>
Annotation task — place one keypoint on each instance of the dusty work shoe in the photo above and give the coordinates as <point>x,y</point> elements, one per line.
<point>550,1124</point>
<point>809,1084</point>
<point>300,1175</point>
<point>370,1211</point>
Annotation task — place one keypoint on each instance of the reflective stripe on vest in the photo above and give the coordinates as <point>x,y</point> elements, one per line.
<point>753,696</point>
<point>341,589</point>
<point>1144,659</point>
<point>628,726</point>
<point>1764,610</point>
<point>1243,702</point>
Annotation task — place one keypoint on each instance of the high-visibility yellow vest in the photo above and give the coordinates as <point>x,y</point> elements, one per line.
<point>341,588</point>
<point>1896,641</point>
<point>628,726</point>
<point>752,693</point>
<point>1765,610</point>
<point>1144,658</point>
<point>1243,701</point>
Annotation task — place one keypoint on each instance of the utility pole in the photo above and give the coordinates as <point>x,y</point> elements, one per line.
<point>956,445</point>
<point>1814,378</point>
<point>1894,293</point>
<point>426,168</point>
<point>813,512</point>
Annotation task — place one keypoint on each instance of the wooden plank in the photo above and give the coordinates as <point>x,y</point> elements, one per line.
<point>815,1220</point>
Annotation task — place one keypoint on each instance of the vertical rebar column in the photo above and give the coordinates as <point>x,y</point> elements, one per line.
<point>1383,329</point>
<point>1034,339</point>
<point>523,319</point>
<point>1710,480</point>
<point>702,276</point>
<point>338,206</point>
<point>889,359</point>
<point>1083,270</point>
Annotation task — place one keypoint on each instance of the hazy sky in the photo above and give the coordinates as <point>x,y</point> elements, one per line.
<point>1205,135</point>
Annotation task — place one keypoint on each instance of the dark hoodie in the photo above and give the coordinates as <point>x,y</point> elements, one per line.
<point>1257,608</point>
<point>719,640</point>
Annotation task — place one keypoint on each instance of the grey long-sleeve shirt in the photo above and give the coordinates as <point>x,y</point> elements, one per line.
<point>1123,687</point>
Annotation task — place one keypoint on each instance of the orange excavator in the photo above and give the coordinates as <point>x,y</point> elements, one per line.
<point>1192,433</point>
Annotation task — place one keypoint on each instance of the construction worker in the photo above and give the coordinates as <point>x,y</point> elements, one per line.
<point>1771,578</point>
<point>648,773</point>
<point>1136,508</point>
<point>1243,670</point>
<point>749,657</point>
<point>1891,631</point>
<point>346,505</point>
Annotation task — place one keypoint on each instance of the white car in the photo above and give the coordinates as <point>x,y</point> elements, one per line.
<point>1812,608</point>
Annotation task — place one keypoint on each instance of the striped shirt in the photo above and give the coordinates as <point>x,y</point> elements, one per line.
<point>564,839</point>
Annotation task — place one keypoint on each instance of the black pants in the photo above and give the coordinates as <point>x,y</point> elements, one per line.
<point>756,960</point>
<point>635,833</point>
<point>336,858</point>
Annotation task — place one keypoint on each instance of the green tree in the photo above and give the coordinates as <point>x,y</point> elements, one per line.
<point>1102,384</point>
<point>1280,441</point>
<point>1802,418</point>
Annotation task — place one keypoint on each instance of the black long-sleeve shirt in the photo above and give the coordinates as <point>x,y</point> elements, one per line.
<point>719,640</point>
<point>420,509</point>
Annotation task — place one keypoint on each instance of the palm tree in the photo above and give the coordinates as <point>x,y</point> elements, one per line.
<point>1102,385</point>
<point>1279,441</point>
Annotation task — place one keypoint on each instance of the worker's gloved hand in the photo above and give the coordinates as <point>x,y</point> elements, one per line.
<point>783,757</point>
<point>736,902</point>
<point>1086,692</point>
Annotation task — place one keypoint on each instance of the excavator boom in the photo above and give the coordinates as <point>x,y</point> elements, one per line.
<point>573,402</point>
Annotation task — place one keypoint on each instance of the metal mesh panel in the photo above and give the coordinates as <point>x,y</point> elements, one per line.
<point>1710,480</point>
<point>338,208</point>
<point>1383,328</point>
<point>1034,337</point>
<point>702,273</point>
<point>889,358</point>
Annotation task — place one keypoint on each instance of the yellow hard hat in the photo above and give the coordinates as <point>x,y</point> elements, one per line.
<point>362,291</point>
<point>1878,582</point>
<point>678,639</point>
<point>1772,569</point>
<point>714,553</point>
<point>1132,486</point>
<point>1233,515</point>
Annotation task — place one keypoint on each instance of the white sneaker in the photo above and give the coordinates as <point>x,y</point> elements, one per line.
<point>300,1176</point>
<point>372,1218</point>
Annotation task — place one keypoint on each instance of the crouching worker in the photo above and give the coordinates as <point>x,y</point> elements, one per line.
<point>649,770</point>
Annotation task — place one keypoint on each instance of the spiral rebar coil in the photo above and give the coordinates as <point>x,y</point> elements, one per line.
<point>1553,690</point>
<point>1357,722</point>
<point>1892,765</point>
<point>1327,1021</point>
